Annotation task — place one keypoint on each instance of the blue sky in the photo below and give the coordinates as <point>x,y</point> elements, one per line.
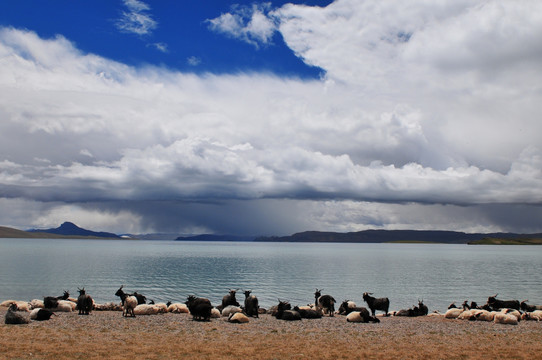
<point>175,34</point>
<point>271,118</point>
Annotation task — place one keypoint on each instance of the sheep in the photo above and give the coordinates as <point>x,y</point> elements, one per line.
<point>529,308</point>
<point>512,312</point>
<point>215,313</point>
<point>145,309</point>
<point>84,302</point>
<point>533,315</point>
<point>484,315</point>
<point>13,318</point>
<point>109,306</point>
<point>324,302</point>
<point>178,308</point>
<point>238,318</point>
<point>467,315</point>
<point>309,313</point>
<point>284,312</point>
<point>361,316</point>
<point>41,314</point>
<point>200,308</point>
<point>503,318</point>
<point>453,313</point>
<point>64,306</point>
<point>231,309</point>
<point>37,304</point>
<point>374,304</point>
<point>229,299</point>
<point>162,307</point>
<point>21,305</point>
<point>496,304</point>
<point>251,304</point>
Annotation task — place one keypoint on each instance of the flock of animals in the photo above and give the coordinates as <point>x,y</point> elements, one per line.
<point>132,304</point>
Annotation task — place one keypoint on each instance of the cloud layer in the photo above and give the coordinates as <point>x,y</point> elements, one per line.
<point>426,118</point>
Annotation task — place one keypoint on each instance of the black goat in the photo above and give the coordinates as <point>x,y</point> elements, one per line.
<point>346,309</point>
<point>308,313</point>
<point>382,304</point>
<point>200,308</point>
<point>496,304</point>
<point>325,302</point>
<point>51,302</point>
<point>420,310</point>
<point>141,299</point>
<point>84,302</point>
<point>41,315</point>
<point>251,304</point>
<point>284,312</point>
<point>529,308</point>
<point>229,299</point>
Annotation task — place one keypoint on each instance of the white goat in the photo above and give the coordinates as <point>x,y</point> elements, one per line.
<point>130,304</point>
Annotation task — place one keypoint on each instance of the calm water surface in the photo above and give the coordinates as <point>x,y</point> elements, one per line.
<point>172,270</point>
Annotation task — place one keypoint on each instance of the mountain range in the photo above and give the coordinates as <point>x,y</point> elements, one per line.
<point>70,230</point>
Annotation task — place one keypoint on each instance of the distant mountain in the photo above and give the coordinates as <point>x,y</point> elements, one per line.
<point>211,237</point>
<point>70,229</point>
<point>382,236</point>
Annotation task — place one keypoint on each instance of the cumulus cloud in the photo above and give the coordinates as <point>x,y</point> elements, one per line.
<point>252,24</point>
<point>136,19</point>
<point>413,126</point>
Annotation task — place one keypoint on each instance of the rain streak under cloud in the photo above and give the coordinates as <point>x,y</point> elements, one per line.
<point>426,116</point>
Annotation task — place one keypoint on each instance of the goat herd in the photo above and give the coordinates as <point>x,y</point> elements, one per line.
<point>132,304</point>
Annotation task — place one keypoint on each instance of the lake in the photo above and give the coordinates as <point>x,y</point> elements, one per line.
<point>171,270</point>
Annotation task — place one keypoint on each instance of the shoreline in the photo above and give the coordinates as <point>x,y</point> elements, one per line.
<point>106,334</point>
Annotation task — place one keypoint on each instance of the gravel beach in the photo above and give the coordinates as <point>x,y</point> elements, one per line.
<point>107,335</point>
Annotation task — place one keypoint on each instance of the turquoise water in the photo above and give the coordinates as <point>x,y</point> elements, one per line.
<point>172,270</point>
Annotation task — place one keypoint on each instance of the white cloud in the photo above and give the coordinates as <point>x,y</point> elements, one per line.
<point>413,122</point>
<point>162,47</point>
<point>251,24</point>
<point>193,61</point>
<point>136,20</point>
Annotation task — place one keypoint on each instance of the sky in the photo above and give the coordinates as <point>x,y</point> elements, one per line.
<point>270,118</point>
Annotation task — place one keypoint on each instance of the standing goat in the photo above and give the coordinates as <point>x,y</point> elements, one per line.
<point>326,302</point>
<point>251,304</point>
<point>84,302</point>
<point>200,308</point>
<point>374,304</point>
<point>496,304</point>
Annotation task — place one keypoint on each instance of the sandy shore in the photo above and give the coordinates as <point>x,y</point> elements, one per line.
<point>107,335</point>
